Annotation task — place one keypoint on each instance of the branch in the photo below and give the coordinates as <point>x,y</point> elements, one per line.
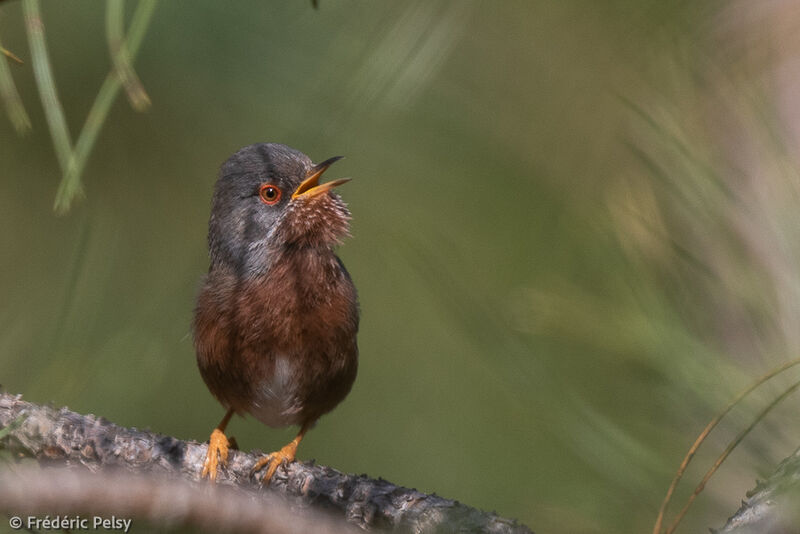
<point>31,493</point>
<point>62,437</point>
<point>771,507</point>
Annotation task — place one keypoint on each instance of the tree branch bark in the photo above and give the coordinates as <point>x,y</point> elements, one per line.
<point>79,500</point>
<point>62,437</point>
<point>772,506</point>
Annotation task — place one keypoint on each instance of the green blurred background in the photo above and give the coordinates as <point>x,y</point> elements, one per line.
<point>574,235</point>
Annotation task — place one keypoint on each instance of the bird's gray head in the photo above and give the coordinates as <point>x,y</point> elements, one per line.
<point>268,199</point>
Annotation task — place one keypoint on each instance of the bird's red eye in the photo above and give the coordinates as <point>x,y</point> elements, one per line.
<point>269,194</point>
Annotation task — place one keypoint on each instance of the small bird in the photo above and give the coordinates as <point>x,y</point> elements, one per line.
<point>276,319</point>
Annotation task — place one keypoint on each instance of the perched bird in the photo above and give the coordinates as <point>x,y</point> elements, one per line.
<point>276,319</point>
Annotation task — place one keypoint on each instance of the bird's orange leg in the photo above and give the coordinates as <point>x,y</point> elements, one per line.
<point>285,455</point>
<point>217,449</point>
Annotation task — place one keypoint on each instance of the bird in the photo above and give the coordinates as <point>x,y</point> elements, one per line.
<point>276,318</point>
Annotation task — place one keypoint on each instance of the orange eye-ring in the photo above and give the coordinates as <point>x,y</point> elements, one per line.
<point>269,194</point>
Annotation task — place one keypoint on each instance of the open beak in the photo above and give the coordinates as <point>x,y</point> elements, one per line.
<point>310,187</point>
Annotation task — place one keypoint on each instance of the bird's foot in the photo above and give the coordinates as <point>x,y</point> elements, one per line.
<point>217,454</point>
<point>275,459</point>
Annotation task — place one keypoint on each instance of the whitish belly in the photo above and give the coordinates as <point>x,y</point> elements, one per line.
<point>275,402</point>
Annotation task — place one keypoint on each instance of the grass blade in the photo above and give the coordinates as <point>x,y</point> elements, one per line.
<point>44,81</point>
<point>70,184</point>
<point>115,16</point>
<point>8,92</point>
<point>704,434</point>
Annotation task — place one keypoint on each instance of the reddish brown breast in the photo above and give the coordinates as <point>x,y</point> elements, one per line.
<point>280,345</point>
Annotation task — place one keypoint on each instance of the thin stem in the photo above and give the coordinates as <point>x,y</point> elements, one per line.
<point>44,81</point>
<point>727,452</point>
<point>701,438</point>
<point>70,184</point>
<point>115,17</point>
<point>8,92</point>
<point>11,55</point>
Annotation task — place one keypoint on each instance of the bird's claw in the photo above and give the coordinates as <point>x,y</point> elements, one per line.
<point>273,460</point>
<point>217,454</point>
